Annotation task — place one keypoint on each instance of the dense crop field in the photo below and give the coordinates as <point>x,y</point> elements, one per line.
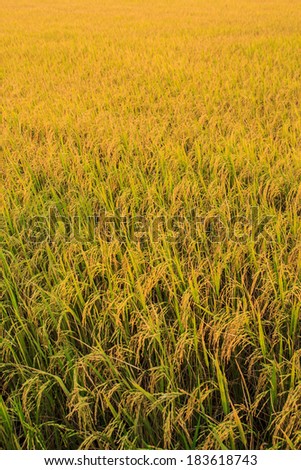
<point>150,245</point>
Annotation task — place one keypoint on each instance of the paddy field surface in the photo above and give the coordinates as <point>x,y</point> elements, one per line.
<point>150,237</point>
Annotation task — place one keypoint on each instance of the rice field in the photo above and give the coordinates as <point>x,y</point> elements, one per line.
<point>150,237</point>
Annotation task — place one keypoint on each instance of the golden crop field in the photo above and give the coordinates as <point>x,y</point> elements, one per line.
<point>150,245</point>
